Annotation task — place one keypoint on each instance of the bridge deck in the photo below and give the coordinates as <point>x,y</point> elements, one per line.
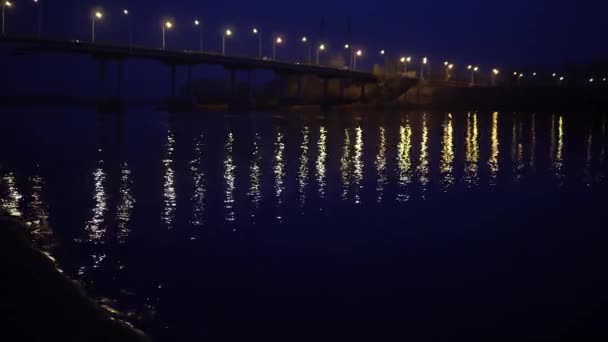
<point>32,45</point>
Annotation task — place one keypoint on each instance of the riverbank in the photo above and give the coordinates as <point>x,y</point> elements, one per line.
<point>42,304</point>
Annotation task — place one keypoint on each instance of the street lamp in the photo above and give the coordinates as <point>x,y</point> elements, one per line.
<point>167,25</point>
<point>198,24</point>
<point>305,41</point>
<point>349,55</point>
<point>39,17</point>
<point>405,61</point>
<point>425,61</point>
<point>519,77</point>
<point>359,53</point>
<point>473,71</point>
<point>258,33</point>
<point>5,4</point>
<point>277,41</point>
<point>495,73</point>
<point>226,33</point>
<point>321,48</point>
<point>127,14</point>
<point>97,15</point>
<point>448,69</point>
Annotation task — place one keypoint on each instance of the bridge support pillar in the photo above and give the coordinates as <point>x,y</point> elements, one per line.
<point>190,87</point>
<point>119,78</point>
<point>325,99</point>
<point>173,81</point>
<point>362,97</point>
<point>102,80</point>
<point>300,89</point>
<point>250,96</point>
<point>342,91</point>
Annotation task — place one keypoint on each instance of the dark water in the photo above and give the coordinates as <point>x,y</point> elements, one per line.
<point>379,226</point>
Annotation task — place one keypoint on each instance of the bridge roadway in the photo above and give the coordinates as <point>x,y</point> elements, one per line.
<point>104,52</point>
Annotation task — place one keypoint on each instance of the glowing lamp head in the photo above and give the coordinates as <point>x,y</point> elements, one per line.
<point>98,14</point>
<point>359,53</point>
<point>475,68</point>
<point>533,74</point>
<point>451,66</point>
<point>322,47</point>
<point>554,74</point>
<point>495,71</point>
<point>255,31</point>
<point>346,46</point>
<point>228,33</point>
<point>7,4</point>
<point>382,52</point>
<point>561,78</point>
<point>196,22</point>
<point>591,80</point>
<point>425,60</point>
<point>279,40</point>
<point>169,25</point>
<point>446,63</point>
<point>469,67</point>
<point>304,39</point>
<point>402,59</point>
<point>514,73</point>
<point>409,59</point>
<point>125,11</point>
<point>521,75</point>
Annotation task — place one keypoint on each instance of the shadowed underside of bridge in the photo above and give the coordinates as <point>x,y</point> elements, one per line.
<point>174,58</point>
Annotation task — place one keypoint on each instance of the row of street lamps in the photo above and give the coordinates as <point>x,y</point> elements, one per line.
<point>168,24</point>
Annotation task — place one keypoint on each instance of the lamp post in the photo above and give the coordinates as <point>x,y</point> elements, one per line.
<point>197,23</point>
<point>519,79</point>
<point>258,33</point>
<point>405,61</point>
<point>167,25</point>
<point>39,17</point>
<point>473,70</point>
<point>495,73</point>
<point>305,41</point>
<point>5,4</point>
<point>97,15</point>
<point>448,70</point>
<point>359,53</point>
<point>425,61</point>
<point>226,33</point>
<point>130,23</point>
<point>321,48</point>
<point>348,55</point>
<point>277,41</point>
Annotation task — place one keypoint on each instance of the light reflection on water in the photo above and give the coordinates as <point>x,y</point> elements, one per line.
<point>290,168</point>
<point>447,153</point>
<point>169,191</point>
<point>404,161</point>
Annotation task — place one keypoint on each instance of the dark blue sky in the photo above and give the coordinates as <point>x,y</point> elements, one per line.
<point>488,33</point>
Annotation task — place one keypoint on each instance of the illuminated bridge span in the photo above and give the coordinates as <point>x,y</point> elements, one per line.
<point>174,58</point>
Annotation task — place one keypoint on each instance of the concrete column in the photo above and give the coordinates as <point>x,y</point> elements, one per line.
<point>300,89</point>
<point>120,78</point>
<point>173,81</point>
<point>233,90</point>
<point>362,98</point>
<point>326,91</point>
<point>342,90</point>
<point>102,79</point>
<point>189,80</point>
<point>250,86</point>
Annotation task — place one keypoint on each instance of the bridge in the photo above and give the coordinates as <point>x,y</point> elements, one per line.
<point>188,58</point>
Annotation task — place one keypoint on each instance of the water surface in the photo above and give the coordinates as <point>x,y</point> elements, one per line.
<point>290,226</point>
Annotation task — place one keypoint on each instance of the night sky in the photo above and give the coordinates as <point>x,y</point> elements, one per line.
<point>507,34</point>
